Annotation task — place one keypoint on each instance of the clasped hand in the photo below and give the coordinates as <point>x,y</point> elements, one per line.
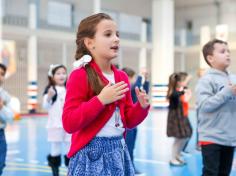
<point>114,92</point>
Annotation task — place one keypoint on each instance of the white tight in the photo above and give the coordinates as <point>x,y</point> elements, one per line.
<point>56,148</point>
<point>178,146</point>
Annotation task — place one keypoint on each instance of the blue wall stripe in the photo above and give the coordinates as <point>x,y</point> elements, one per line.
<point>33,83</point>
<point>159,96</point>
<point>32,97</point>
<point>159,85</point>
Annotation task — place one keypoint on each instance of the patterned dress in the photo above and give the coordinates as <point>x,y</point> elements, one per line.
<point>178,124</point>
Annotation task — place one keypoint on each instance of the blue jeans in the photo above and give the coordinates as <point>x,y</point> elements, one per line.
<point>3,150</point>
<point>130,141</point>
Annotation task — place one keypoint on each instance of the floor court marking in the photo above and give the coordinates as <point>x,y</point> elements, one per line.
<point>151,161</point>
<point>30,165</point>
<point>31,170</point>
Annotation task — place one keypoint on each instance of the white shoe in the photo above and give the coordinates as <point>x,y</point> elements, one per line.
<point>176,162</point>
<point>178,158</point>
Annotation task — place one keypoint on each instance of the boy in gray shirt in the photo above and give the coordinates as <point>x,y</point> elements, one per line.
<point>216,108</point>
<point>6,114</point>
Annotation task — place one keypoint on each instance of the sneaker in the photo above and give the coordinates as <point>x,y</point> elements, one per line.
<point>176,163</point>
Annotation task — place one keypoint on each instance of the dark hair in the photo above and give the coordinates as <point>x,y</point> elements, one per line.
<point>87,29</point>
<point>208,48</point>
<point>3,67</point>
<point>129,71</point>
<point>52,83</point>
<point>173,80</point>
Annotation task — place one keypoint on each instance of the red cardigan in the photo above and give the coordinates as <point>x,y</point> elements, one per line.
<point>84,115</point>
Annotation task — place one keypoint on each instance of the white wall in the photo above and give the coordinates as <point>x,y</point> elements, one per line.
<point>199,15</point>
<point>206,15</point>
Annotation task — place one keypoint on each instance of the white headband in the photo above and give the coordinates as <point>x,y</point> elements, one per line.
<point>84,60</point>
<point>51,68</point>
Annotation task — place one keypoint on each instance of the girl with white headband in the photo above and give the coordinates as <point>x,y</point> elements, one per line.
<point>98,106</point>
<point>53,101</point>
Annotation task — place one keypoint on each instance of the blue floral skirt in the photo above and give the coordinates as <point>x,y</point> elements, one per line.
<point>103,156</point>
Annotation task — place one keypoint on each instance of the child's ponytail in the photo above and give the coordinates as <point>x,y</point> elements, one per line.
<point>172,84</point>
<point>87,28</point>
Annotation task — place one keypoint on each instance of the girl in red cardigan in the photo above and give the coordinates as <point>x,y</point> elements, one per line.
<point>98,106</point>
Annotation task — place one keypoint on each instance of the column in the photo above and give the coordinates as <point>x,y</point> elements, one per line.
<point>163,49</point>
<point>120,58</point>
<point>143,50</point>
<point>64,54</point>
<point>183,39</point>
<point>222,32</point>
<point>96,6</point>
<point>32,59</point>
<point>205,36</point>
<point>1,16</point>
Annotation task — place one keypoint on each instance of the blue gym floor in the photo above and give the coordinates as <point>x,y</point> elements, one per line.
<point>28,147</point>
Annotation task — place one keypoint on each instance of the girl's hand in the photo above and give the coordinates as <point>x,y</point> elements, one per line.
<point>187,94</point>
<point>143,98</point>
<point>51,93</point>
<point>111,93</point>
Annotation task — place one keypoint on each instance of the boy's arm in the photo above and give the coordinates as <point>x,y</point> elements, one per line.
<point>207,99</point>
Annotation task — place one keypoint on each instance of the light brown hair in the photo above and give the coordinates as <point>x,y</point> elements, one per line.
<point>208,48</point>
<point>173,80</point>
<point>87,29</point>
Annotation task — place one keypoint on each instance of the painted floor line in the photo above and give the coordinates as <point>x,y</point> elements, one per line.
<point>10,164</point>
<point>151,161</point>
<point>31,170</point>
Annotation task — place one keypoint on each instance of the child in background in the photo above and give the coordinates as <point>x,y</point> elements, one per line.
<point>98,107</point>
<point>53,101</point>
<point>6,115</point>
<point>216,102</point>
<point>178,125</point>
<point>141,84</point>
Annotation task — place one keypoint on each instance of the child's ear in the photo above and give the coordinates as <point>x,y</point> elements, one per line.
<point>210,59</point>
<point>88,42</point>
